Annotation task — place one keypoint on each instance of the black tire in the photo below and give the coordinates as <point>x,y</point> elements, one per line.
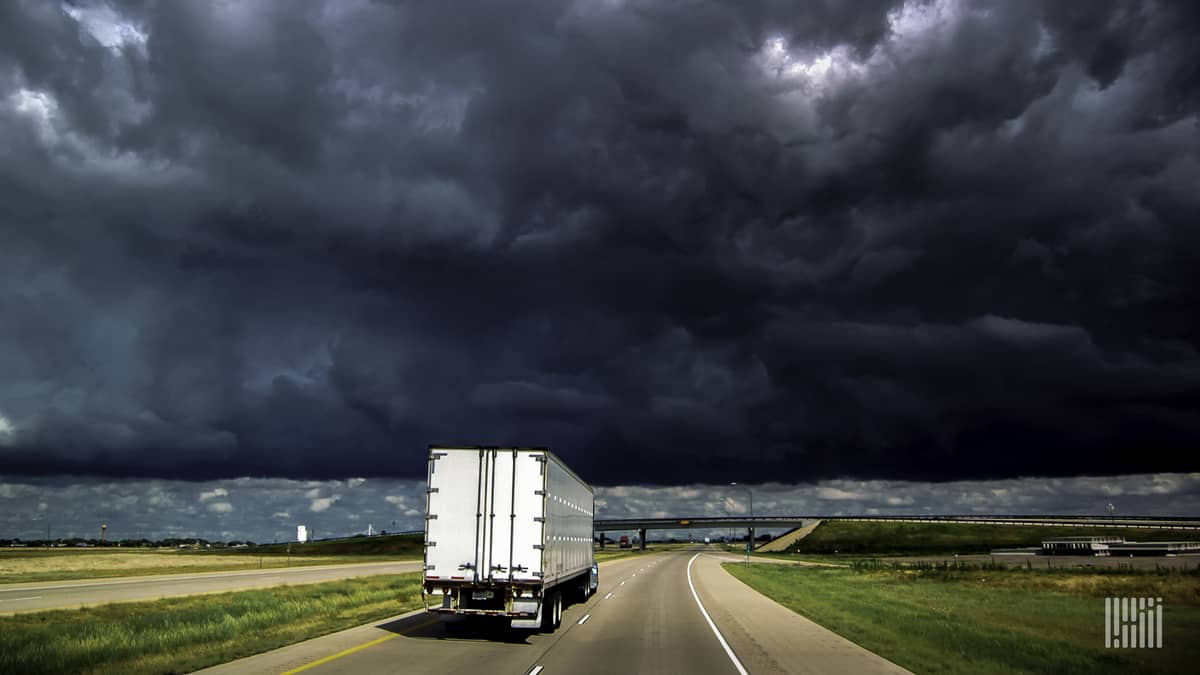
<point>546,611</point>
<point>558,609</point>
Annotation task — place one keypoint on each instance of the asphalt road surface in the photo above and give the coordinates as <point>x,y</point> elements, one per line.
<point>645,618</point>
<point>32,597</point>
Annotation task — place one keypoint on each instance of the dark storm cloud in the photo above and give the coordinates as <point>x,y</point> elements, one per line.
<point>673,241</point>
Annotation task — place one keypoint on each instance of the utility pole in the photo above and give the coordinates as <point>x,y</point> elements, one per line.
<point>750,530</point>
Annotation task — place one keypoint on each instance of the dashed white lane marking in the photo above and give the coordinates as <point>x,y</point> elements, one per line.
<point>728,652</point>
<point>536,670</point>
<point>584,619</point>
<point>32,597</point>
<point>608,596</point>
<point>622,583</point>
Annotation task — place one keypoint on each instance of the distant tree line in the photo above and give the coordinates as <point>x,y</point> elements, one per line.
<point>81,542</point>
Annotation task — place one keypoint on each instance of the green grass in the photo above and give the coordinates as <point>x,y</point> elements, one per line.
<point>852,537</point>
<point>614,553</point>
<point>58,564</point>
<point>184,634</point>
<point>34,570</point>
<point>987,619</point>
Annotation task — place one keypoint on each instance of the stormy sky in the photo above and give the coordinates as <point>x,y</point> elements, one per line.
<point>677,242</point>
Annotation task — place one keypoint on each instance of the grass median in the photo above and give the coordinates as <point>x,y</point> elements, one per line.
<point>57,564</point>
<point>987,619</point>
<point>877,538</point>
<point>35,567</point>
<point>184,634</point>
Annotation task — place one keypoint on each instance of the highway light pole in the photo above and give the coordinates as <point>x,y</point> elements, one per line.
<point>750,541</point>
<point>725,508</point>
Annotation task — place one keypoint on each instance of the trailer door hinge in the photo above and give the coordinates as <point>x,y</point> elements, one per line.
<point>436,455</point>
<point>431,516</point>
<point>466,566</point>
<point>540,458</point>
<point>540,493</point>
<point>540,547</point>
<point>431,543</point>
<point>539,519</point>
<point>430,567</point>
<point>431,490</point>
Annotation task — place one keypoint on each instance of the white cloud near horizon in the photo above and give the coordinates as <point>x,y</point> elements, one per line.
<point>269,509</point>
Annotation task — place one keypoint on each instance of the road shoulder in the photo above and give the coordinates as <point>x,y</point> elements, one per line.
<point>770,638</point>
<point>309,652</point>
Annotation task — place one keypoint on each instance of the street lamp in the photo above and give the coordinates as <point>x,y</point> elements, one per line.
<point>750,542</point>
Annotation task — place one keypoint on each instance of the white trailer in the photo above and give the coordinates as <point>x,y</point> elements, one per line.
<point>508,533</point>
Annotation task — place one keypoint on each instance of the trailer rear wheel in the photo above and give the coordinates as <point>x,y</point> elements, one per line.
<point>549,611</point>
<point>557,610</point>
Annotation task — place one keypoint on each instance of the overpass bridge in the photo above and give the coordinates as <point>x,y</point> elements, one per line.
<point>642,525</point>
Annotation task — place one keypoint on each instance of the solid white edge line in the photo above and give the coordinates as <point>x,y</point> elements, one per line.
<point>584,619</point>
<point>32,597</point>
<point>536,670</point>
<point>728,652</point>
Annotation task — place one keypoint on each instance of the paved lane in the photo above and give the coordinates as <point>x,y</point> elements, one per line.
<point>430,645</point>
<point>32,597</point>
<point>419,643</point>
<point>650,624</point>
<point>645,618</point>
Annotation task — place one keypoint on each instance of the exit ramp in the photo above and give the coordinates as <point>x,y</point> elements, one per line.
<point>782,542</point>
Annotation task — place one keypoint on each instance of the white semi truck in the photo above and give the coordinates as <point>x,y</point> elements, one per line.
<point>508,534</point>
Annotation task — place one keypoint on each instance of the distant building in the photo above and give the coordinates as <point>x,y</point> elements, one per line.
<point>1078,545</point>
<point>1107,546</point>
<point>301,533</point>
<point>1153,548</point>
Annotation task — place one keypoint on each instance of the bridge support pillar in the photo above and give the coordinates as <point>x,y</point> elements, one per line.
<point>642,539</point>
<point>601,541</point>
<point>751,542</point>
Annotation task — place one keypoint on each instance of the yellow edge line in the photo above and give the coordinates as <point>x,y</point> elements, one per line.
<point>352,650</point>
<point>339,655</point>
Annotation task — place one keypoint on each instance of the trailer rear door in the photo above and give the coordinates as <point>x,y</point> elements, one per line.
<point>485,516</point>
<point>451,532</point>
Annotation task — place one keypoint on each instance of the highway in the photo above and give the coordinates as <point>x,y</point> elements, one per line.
<point>676,612</point>
<point>32,597</point>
